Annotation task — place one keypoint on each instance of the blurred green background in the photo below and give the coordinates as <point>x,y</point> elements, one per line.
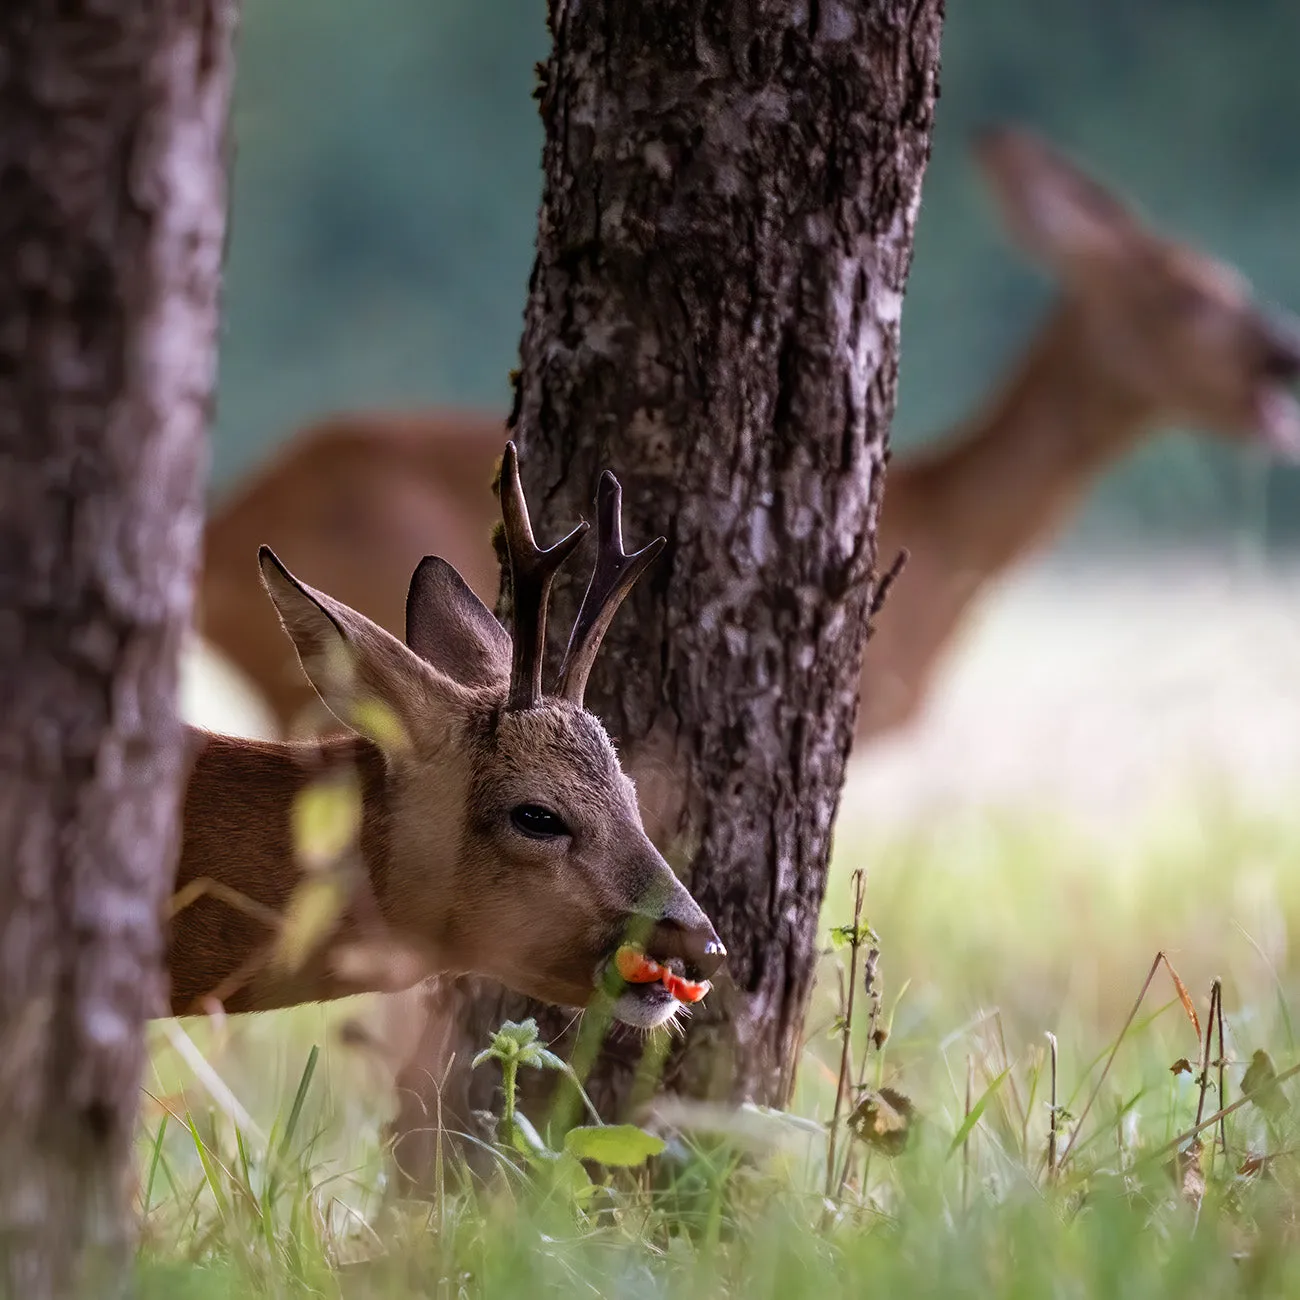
<point>387,181</point>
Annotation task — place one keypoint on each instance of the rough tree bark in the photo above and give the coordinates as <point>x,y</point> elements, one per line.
<point>726,229</point>
<point>112,224</point>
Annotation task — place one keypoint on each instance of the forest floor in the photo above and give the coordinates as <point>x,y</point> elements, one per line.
<point>1107,773</point>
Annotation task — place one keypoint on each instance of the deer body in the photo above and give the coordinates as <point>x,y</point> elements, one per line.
<point>246,848</point>
<point>1147,333</point>
<point>495,832</point>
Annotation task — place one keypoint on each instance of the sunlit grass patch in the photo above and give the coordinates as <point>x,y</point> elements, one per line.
<point>992,933</point>
<point>994,929</point>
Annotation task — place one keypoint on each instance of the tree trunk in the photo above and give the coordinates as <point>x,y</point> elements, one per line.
<point>726,228</point>
<point>112,222</point>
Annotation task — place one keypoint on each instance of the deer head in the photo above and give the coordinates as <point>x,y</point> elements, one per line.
<point>515,847</point>
<point>1176,327</point>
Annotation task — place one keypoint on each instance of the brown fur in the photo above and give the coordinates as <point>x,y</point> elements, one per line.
<point>1147,333</point>
<point>444,872</point>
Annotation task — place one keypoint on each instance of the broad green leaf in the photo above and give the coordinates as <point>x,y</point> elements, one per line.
<point>569,1178</point>
<point>622,1145</point>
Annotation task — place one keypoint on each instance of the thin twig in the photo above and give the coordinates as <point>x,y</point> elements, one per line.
<point>1219,1115</point>
<point>870,971</point>
<point>1203,1075</point>
<point>883,587</point>
<point>846,1036</point>
<point>1006,1064</point>
<point>1053,1112</point>
<point>1029,1107</point>
<point>874,1039</point>
<point>1092,1096</point>
<point>965,1145</point>
<point>1223,1065</point>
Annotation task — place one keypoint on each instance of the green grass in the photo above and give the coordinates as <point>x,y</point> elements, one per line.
<point>993,931</point>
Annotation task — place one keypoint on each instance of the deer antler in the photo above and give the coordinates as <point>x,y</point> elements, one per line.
<point>532,570</point>
<point>615,574</point>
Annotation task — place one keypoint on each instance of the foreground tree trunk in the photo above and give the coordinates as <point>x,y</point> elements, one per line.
<point>112,220</point>
<point>726,228</point>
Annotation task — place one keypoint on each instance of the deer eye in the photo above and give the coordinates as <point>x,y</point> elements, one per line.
<point>537,823</point>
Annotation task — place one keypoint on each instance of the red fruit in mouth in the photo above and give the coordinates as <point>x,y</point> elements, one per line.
<point>635,967</point>
<point>685,990</point>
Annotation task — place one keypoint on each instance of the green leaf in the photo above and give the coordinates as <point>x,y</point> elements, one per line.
<point>570,1179</point>
<point>622,1145</point>
<point>541,1059</point>
<point>486,1055</point>
<point>528,1141</point>
<point>844,935</point>
<point>519,1034</point>
<point>325,819</point>
<point>975,1112</point>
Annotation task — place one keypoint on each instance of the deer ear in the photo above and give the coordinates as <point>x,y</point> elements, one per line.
<point>449,627</point>
<point>366,677</point>
<point>1054,211</point>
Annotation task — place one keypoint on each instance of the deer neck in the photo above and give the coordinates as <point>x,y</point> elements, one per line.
<point>238,838</point>
<point>987,496</point>
<point>998,486</point>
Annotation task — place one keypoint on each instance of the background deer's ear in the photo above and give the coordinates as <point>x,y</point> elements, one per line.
<point>1054,211</point>
<point>451,629</point>
<point>367,678</point>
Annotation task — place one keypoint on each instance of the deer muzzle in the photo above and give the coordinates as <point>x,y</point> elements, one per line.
<point>695,945</point>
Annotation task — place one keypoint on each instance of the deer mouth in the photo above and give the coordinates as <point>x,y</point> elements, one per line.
<point>650,992</point>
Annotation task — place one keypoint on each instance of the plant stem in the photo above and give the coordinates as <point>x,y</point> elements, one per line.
<point>846,1036</point>
<point>509,1069</point>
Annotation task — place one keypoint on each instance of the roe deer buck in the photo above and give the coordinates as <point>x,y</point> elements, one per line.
<point>1147,333</point>
<point>498,833</point>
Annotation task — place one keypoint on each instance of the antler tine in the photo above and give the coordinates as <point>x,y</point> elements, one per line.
<point>532,570</point>
<point>615,574</point>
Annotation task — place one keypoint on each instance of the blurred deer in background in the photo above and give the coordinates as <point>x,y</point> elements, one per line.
<point>496,832</point>
<point>1147,333</point>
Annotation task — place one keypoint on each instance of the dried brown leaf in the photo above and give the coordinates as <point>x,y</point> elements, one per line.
<point>1260,1084</point>
<point>1188,1174</point>
<point>884,1120</point>
<point>1254,1164</point>
<point>1182,1066</point>
<point>1183,995</point>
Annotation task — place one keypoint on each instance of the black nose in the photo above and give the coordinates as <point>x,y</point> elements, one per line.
<point>696,946</point>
